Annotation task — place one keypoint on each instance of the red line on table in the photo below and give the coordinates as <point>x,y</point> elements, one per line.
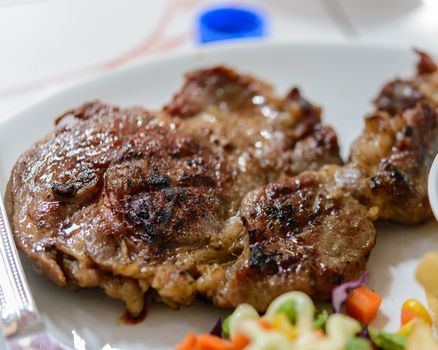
<point>155,42</point>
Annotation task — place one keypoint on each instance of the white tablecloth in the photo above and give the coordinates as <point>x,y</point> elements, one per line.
<point>46,45</point>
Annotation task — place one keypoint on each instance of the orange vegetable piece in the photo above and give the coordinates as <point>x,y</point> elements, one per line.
<point>240,342</point>
<point>406,316</point>
<point>265,324</point>
<point>416,308</point>
<point>212,342</point>
<point>363,304</point>
<point>188,342</point>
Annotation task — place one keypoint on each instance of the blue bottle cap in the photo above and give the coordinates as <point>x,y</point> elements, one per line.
<point>225,23</point>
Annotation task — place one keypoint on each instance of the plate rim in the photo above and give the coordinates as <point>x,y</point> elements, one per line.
<point>165,58</point>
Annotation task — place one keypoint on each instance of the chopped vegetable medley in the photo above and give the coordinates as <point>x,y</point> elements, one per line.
<point>292,322</point>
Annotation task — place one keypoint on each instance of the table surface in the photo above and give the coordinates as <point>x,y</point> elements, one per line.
<point>49,44</point>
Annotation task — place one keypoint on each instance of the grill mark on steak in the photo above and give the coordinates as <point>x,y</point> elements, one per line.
<point>63,190</point>
<point>264,262</point>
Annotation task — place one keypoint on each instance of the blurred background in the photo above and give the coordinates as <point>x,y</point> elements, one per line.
<point>47,45</point>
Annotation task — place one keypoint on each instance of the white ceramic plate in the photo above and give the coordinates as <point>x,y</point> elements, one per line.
<point>342,78</point>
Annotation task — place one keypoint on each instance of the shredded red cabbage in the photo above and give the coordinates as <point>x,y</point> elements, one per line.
<point>339,294</point>
<point>365,333</point>
<point>217,328</point>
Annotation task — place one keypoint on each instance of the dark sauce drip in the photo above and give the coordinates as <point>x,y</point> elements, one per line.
<point>127,318</point>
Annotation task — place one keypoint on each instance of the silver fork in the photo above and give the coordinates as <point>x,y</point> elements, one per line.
<point>21,323</point>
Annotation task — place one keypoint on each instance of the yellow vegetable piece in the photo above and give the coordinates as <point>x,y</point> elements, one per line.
<point>417,308</point>
<point>407,329</point>
<point>432,302</point>
<point>304,307</point>
<point>281,323</point>
<point>426,275</point>
<point>421,337</point>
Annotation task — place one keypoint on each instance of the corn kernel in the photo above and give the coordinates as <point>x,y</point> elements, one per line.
<point>406,330</point>
<point>281,322</point>
<point>415,307</point>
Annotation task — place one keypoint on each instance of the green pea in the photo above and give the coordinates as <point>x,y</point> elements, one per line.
<point>358,343</point>
<point>321,320</point>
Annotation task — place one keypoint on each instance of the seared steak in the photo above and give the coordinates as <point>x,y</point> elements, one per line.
<point>61,176</point>
<point>390,162</point>
<point>262,137</point>
<point>300,234</point>
<point>162,204</point>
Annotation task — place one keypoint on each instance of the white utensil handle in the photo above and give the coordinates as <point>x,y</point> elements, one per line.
<point>17,306</point>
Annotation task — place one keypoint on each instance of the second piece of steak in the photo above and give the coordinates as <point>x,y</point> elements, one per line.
<point>390,161</point>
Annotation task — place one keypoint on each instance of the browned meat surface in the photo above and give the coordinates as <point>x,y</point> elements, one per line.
<point>263,137</point>
<point>301,234</point>
<point>63,174</point>
<point>148,203</point>
<point>389,163</point>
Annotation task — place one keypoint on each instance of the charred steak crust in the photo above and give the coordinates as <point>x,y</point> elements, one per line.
<point>211,87</point>
<point>176,203</point>
<point>390,162</point>
<point>61,174</point>
<point>302,234</point>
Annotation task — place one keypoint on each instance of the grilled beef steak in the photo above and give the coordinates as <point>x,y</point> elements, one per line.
<point>299,234</point>
<point>138,202</point>
<point>390,162</point>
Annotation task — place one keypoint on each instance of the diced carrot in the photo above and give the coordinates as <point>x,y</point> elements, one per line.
<point>240,341</point>
<point>363,304</point>
<point>212,342</point>
<point>265,324</point>
<point>318,333</point>
<point>406,316</point>
<point>188,342</point>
